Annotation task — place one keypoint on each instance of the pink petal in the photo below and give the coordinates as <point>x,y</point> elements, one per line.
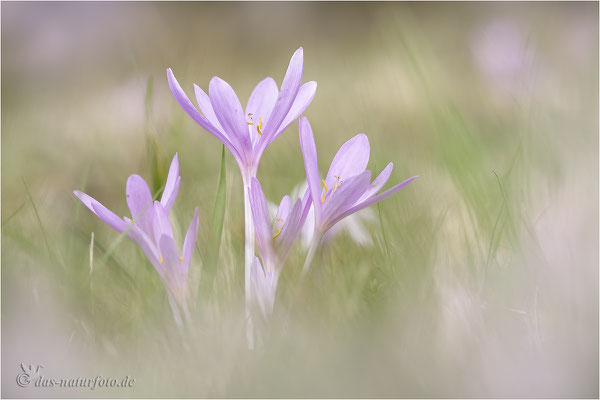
<point>284,208</point>
<point>374,199</point>
<point>351,159</point>
<point>107,216</point>
<point>287,95</point>
<point>262,225</point>
<point>378,183</point>
<point>260,105</point>
<point>311,166</point>
<point>139,200</point>
<point>229,111</point>
<point>172,186</point>
<point>206,107</point>
<point>189,108</point>
<point>345,197</point>
<point>190,240</point>
<point>305,96</point>
<point>162,225</point>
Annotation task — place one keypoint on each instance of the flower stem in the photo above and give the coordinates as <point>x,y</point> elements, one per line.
<point>314,246</point>
<point>249,260</point>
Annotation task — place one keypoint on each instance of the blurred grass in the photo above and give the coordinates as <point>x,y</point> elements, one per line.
<point>482,279</point>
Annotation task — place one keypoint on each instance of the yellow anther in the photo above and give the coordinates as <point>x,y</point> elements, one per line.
<point>279,228</point>
<point>259,130</point>
<point>323,197</point>
<point>324,184</point>
<point>250,123</point>
<point>162,260</point>
<point>260,120</point>
<point>180,258</point>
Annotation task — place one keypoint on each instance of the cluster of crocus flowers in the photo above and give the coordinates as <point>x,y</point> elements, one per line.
<point>247,133</point>
<point>345,190</point>
<point>151,229</point>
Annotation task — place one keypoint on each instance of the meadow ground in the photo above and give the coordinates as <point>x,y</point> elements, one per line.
<point>480,278</point>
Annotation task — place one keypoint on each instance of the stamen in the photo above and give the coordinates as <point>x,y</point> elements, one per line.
<point>324,184</point>
<point>279,228</point>
<point>259,130</point>
<point>162,260</point>
<point>323,197</point>
<point>337,184</point>
<point>180,258</point>
<point>250,123</point>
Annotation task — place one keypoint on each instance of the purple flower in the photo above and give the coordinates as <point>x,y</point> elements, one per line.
<point>151,229</point>
<point>275,240</point>
<point>347,188</point>
<point>263,287</point>
<point>247,133</point>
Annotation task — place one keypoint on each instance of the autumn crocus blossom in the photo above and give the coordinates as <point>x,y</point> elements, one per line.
<point>247,133</point>
<point>275,240</point>
<point>151,229</point>
<point>347,188</point>
<point>269,111</point>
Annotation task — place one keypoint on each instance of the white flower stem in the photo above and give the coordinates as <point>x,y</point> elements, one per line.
<point>314,246</point>
<point>249,260</point>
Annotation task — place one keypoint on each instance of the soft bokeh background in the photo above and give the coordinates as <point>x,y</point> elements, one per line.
<point>481,278</point>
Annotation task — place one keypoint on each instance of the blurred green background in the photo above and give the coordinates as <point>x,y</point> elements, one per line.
<point>482,276</point>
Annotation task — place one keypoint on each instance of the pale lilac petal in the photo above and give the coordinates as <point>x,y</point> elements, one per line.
<point>287,94</point>
<point>373,200</point>
<point>146,243</point>
<point>189,108</point>
<point>229,111</point>
<point>172,186</point>
<point>175,276</point>
<point>262,225</point>
<point>378,183</point>
<point>289,232</point>
<point>139,200</point>
<point>162,225</point>
<point>190,240</point>
<point>169,252</point>
<point>264,287</point>
<point>173,196</point>
<point>87,200</point>
<point>107,216</point>
<point>351,159</point>
<point>311,166</point>
<point>284,209</point>
<point>260,105</point>
<point>345,197</point>
<point>206,107</point>
<point>305,96</point>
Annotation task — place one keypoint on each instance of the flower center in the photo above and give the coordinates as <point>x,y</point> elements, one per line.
<point>338,182</point>
<point>259,126</point>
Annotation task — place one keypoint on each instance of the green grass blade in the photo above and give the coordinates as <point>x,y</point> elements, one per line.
<point>13,213</point>
<point>37,215</point>
<point>216,222</point>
